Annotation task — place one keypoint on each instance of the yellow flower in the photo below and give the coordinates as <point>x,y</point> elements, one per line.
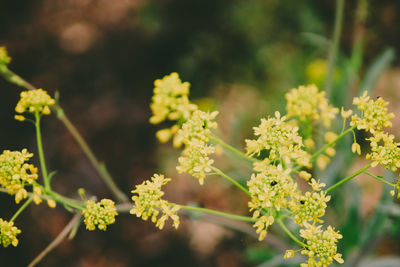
<point>34,101</point>
<point>8,233</point>
<point>4,58</point>
<point>262,226</point>
<point>289,254</point>
<point>310,206</point>
<point>306,103</point>
<point>384,151</point>
<point>355,148</point>
<point>280,139</point>
<point>374,116</point>
<point>148,202</point>
<point>16,173</point>
<point>345,113</point>
<point>99,214</point>
<point>170,99</point>
<point>321,246</point>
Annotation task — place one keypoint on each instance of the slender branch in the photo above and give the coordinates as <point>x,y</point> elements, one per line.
<point>287,231</point>
<point>232,149</point>
<point>230,179</point>
<point>334,46</point>
<point>100,168</point>
<point>348,178</point>
<point>379,178</point>
<point>219,213</point>
<point>61,236</point>
<point>40,151</point>
<point>22,208</point>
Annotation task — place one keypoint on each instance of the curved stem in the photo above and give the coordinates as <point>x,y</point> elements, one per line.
<point>379,178</point>
<point>100,167</point>
<point>57,240</point>
<point>66,201</point>
<point>40,151</point>
<point>232,149</point>
<point>219,213</point>
<point>21,208</point>
<point>348,178</point>
<point>230,179</point>
<point>287,231</point>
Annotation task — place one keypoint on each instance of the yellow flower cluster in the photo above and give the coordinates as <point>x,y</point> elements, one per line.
<point>374,114</point>
<point>170,101</point>
<point>148,203</point>
<point>309,206</point>
<point>195,134</point>
<point>15,174</point>
<point>321,246</point>
<point>384,151</point>
<point>280,139</point>
<point>4,58</point>
<point>8,233</point>
<point>306,103</point>
<point>99,214</point>
<point>34,101</point>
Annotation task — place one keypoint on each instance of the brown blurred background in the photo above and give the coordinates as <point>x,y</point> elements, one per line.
<point>103,56</point>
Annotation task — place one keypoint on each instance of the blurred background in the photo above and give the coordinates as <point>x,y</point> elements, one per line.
<point>240,57</point>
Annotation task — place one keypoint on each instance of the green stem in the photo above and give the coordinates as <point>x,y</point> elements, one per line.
<point>322,149</point>
<point>219,213</point>
<point>21,208</point>
<point>287,231</point>
<point>230,179</point>
<point>66,201</point>
<point>40,151</point>
<point>232,149</point>
<point>379,178</point>
<point>334,46</point>
<point>348,178</point>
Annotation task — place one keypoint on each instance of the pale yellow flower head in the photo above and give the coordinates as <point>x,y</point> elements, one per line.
<point>148,202</point>
<point>99,214</point>
<point>374,114</point>
<point>384,151</point>
<point>271,188</point>
<point>16,173</point>
<point>280,138</point>
<point>309,207</point>
<point>170,99</point>
<point>262,226</point>
<point>4,58</point>
<point>306,103</point>
<point>8,233</point>
<point>321,246</point>
<point>34,101</point>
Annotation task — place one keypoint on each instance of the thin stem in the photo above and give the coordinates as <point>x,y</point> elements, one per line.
<point>334,46</point>
<point>40,151</point>
<point>61,236</point>
<point>219,213</point>
<point>322,149</point>
<point>379,178</point>
<point>66,201</point>
<point>348,178</point>
<point>21,209</point>
<point>230,179</point>
<point>232,149</point>
<point>287,231</point>
<point>100,167</point>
